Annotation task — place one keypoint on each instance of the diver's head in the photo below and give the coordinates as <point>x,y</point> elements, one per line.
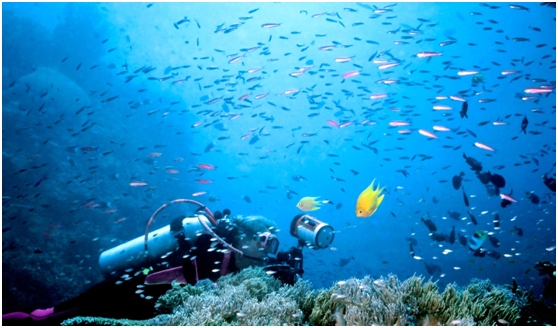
<point>256,239</point>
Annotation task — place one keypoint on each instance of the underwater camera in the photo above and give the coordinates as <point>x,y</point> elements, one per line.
<point>312,232</point>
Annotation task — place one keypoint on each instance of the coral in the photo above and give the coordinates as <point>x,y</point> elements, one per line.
<point>99,321</point>
<point>253,298</point>
<point>175,297</point>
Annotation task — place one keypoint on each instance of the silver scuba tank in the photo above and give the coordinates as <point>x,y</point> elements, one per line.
<point>160,242</point>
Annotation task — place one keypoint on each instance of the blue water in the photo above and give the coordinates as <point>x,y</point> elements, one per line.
<point>59,217</point>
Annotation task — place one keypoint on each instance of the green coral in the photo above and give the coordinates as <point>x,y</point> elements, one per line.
<point>252,297</point>
<point>99,321</point>
<point>175,296</point>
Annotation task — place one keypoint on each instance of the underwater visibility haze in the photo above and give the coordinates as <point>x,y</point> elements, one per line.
<point>424,134</point>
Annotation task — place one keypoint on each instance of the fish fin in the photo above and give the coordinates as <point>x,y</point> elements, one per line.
<point>315,208</point>
<point>379,201</point>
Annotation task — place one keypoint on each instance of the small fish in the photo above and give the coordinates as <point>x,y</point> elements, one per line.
<point>465,199</point>
<point>138,184</point>
<point>483,146</point>
<point>463,111</point>
<point>307,204</point>
<point>207,166</point>
<point>524,124</point>
<point>203,181</point>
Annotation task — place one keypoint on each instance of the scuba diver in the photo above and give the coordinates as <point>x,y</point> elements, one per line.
<point>184,252</point>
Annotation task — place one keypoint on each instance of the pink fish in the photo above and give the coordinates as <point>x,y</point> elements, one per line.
<point>343,59</point>
<point>333,123</point>
<point>197,124</point>
<point>483,146</point>
<point>325,48</point>
<point>509,72</point>
<point>244,97</point>
<point>207,166</point>
<point>441,128</point>
<point>465,73</point>
<point>500,123</point>
<point>350,74</point>
<point>171,171</point>
<point>296,73</point>
<point>270,25</point>
<point>288,92</point>
<point>246,136</point>
<point>441,97</point>
<point>389,65</point>
<point>155,154</point>
<point>235,59</point>
<point>261,96</point>
<point>138,184</point>
<point>235,117</point>
<point>428,134</point>
<point>345,125</point>
<point>457,98</point>
<point>537,90</point>
<point>428,54</point>
<point>404,131</point>
<point>399,123</point>
<point>203,181</point>
<point>378,96</point>
<point>254,70</point>
<point>213,101</point>
<point>441,107</point>
<point>199,193</point>
<point>504,196</point>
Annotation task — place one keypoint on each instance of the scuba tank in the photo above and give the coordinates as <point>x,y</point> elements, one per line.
<point>132,254</point>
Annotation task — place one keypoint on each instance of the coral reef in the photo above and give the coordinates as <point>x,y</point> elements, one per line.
<point>251,297</point>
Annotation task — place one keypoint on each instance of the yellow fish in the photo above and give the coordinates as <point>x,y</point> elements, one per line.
<point>368,201</point>
<point>307,204</point>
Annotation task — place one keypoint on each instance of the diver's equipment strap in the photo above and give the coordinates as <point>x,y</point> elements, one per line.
<point>173,275</point>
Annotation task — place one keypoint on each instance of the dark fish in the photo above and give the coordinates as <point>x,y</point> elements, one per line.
<point>534,198</point>
<point>298,178</point>
<point>438,236</point>
<point>254,140</point>
<point>429,224</point>
<point>465,199</point>
<point>472,218</point>
<point>494,241</point>
<point>454,215</point>
<point>462,240</point>
<point>457,181</point>
<point>550,182</point>
<point>471,132</point>
<point>519,231</point>
<point>247,199</point>
<point>497,220</point>
<point>494,254</point>
<point>432,268</point>
<point>524,124</point>
<point>483,177</point>
<point>497,180</point>
<point>209,147</point>
<point>463,111</point>
<point>475,165</point>
<point>452,236</point>
<point>338,206</point>
<point>41,180</point>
